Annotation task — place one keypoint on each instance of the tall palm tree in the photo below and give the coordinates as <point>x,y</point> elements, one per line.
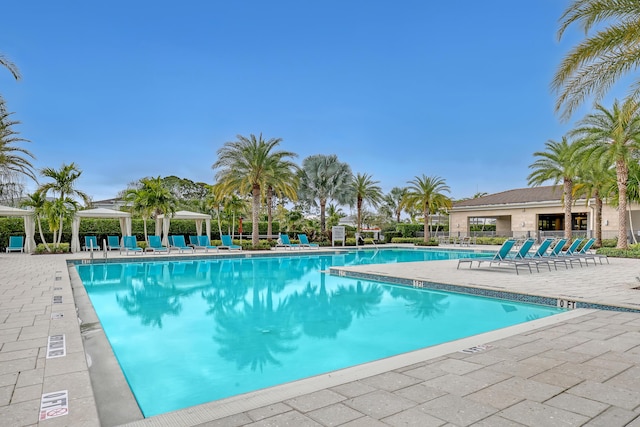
<point>558,164</point>
<point>365,190</point>
<point>63,188</point>
<point>324,179</point>
<point>609,53</point>
<point>614,136</point>
<point>14,161</point>
<point>427,194</point>
<point>281,180</point>
<point>244,166</point>
<point>394,200</point>
<point>595,181</point>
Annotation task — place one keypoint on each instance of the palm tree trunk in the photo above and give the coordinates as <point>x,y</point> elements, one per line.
<point>219,222</point>
<point>255,231</point>
<point>633,235</point>
<point>144,223</point>
<point>323,205</point>
<point>622,174</point>
<point>568,201</point>
<point>598,220</point>
<point>269,212</point>
<point>426,225</point>
<point>359,205</point>
<point>44,242</point>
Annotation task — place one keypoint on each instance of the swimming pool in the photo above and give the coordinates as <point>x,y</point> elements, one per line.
<point>202,330</point>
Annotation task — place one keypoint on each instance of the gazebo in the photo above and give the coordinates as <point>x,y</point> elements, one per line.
<point>163,223</point>
<point>29,225</point>
<point>124,217</point>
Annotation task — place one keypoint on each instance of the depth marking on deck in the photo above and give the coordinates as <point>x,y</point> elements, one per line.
<point>56,346</point>
<point>54,404</point>
<point>57,316</point>
<point>476,349</point>
<point>57,299</point>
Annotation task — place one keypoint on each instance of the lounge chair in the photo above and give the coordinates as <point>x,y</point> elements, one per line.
<point>584,253</point>
<point>193,241</point>
<point>517,259</point>
<point>568,255</point>
<point>177,242</point>
<point>91,242</point>
<point>156,246</point>
<point>203,242</point>
<point>130,244</point>
<point>16,244</point>
<point>304,242</point>
<point>501,254</point>
<point>286,242</point>
<point>227,243</point>
<point>553,256</point>
<point>538,257</point>
<point>113,243</point>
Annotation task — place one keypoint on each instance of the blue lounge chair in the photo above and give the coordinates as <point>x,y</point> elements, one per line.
<point>501,254</point>
<point>517,259</point>
<point>538,257</point>
<point>568,255</point>
<point>304,242</point>
<point>286,242</point>
<point>204,243</point>
<point>91,242</point>
<point>130,244</point>
<point>16,244</point>
<point>227,243</point>
<point>193,241</point>
<point>584,253</point>
<point>177,242</point>
<point>156,246</point>
<point>113,243</point>
<point>554,255</point>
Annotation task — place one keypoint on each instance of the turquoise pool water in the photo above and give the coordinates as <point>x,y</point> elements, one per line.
<point>194,331</point>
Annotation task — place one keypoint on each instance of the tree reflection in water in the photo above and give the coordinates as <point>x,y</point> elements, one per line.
<point>422,303</point>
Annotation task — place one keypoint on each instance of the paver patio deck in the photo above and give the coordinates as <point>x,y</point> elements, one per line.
<point>578,368</point>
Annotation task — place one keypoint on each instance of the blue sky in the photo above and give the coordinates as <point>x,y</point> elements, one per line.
<point>397,89</point>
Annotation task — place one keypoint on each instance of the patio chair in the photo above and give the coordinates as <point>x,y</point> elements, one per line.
<point>304,242</point>
<point>113,243</point>
<point>285,242</point>
<point>193,241</point>
<point>91,243</point>
<point>16,244</point>
<point>178,242</point>
<point>517,259</point>
<point>203,242</point>
<point>584,253</point>
<point>500,254</point>
<point>227,243</point>
<point>156,246</point>
<point>553,256</point>
<point>568,255</point>
<point>130,244</point>
<point>538,257</point>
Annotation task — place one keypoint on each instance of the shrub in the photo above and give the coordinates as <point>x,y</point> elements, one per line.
<point>431,242</point>
<point>620,253</point>
<point>55,249</point>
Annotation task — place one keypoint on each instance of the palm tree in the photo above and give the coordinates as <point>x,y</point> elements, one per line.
<point>426,193</point>
<point>394,201</point>
<point>37,202</point>
<point>244,166</point>
<point>64,190</point>
<point>598,62</point>
<point>334,213</point>
<point>13,160</point>
<point>595,180</point>
<point>365,190</point>
<point>323,179</point>
<point>614,136</point>
<point>558,164</point>
<point>281,181</point>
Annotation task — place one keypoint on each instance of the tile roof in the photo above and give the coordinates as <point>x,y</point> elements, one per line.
<point>518,195</point>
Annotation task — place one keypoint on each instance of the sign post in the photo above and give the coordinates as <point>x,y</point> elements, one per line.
<point>337,235</point>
